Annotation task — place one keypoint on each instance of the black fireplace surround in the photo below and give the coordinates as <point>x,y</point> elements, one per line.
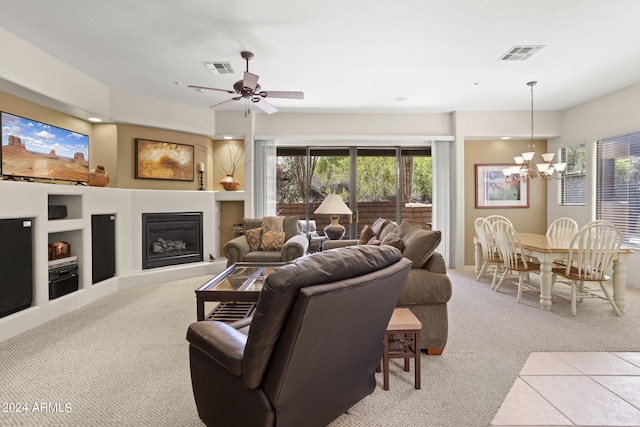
<point>171,239</point>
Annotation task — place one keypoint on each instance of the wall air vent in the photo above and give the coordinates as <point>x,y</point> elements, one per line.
<point>520,53</point>
<point>219,67</point>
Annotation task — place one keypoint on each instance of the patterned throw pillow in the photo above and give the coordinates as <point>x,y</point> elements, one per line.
<point>254,238</point>
<point>272,240</point>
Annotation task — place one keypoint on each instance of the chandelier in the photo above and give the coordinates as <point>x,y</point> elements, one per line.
<point>526,167</point>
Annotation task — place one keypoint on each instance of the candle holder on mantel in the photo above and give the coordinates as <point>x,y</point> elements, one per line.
<point>201,173</point>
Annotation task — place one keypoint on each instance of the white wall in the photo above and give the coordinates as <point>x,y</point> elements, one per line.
<point>30,200</point>
<point>353,125</point>
<point>399,127</point>
<point>39,77</point>
<point>613,114</point>
<point>68,89</point>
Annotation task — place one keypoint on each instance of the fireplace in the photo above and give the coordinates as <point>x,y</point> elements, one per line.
<point>171,238</point>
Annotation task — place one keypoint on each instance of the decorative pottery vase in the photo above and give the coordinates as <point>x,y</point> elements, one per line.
<point>98,177</point>
<point>334,231</point>
<point>229,183</point>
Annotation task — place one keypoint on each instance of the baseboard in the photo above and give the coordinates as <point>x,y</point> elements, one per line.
<point>165,274</point>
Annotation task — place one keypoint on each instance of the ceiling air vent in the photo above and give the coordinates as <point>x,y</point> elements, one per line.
<point>520,53</point>
<point>219,67</point>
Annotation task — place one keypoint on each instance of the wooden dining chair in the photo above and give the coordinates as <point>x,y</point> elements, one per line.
<point>493,218</point>
<point>591,253</point>
<point>490,254</point>
<point>562,227</point>
<point>513,261</point>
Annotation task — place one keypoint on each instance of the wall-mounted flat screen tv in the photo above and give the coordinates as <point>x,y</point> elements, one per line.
<point>32,149</point>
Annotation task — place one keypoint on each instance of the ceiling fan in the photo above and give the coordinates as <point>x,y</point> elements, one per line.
<point>249,89</point>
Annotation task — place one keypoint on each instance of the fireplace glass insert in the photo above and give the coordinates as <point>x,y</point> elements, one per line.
<point>171,239</point>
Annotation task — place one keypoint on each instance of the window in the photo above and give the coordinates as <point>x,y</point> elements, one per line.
<point>573,188</point>
<point>392,182</point>
<point>618,184</point>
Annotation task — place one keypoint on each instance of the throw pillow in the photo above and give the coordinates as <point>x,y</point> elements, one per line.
<point>392,239</point>
<point>378,225</point>
<point>373,241</point>
<point>272,240</point>
<point>254,238</point>
<point>251,223</point>
<point>365,235</point>
<point>419,244</point>
<point>391,227</point>
<point>273,223</point>
<point>290,227</point>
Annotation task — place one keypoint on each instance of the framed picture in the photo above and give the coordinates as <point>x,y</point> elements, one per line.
<point>493,191</point>
<point>164,160</point>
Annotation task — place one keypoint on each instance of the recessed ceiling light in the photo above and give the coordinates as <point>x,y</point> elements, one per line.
<point>94,119</point>
<point>506,137</point>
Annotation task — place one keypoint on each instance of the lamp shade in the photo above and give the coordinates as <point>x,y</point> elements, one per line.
<point>333,205</point>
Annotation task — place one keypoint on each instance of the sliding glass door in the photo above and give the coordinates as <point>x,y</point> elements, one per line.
<point>389,182</point>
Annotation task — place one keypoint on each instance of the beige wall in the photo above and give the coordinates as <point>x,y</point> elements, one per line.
<point>113,146</point>
<point>532,219</point>
<point>20,107</point>
<point>103,149</point>
<point>222,153</point>
<point>126,156</point>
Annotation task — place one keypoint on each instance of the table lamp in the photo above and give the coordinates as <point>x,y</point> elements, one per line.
<point>334,206</point>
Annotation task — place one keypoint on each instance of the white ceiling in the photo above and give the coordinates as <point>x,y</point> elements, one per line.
<point>345,55</point>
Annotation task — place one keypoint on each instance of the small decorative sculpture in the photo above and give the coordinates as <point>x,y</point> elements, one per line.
<point>98,177</point>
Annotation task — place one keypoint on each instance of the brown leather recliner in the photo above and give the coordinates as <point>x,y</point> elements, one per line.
<point>313,345</point>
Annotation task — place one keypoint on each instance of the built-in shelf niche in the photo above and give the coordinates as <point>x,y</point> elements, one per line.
<point>74,238</point>
<point>72,202</point>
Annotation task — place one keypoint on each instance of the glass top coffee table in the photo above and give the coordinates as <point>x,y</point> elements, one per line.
<point>236,290</point>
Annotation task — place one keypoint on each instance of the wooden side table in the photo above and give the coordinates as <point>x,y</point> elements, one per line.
<point>402,341</point>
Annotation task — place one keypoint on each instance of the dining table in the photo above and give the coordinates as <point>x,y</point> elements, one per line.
<point>549,249</point>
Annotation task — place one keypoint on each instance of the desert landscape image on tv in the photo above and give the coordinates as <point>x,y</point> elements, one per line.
<point>38,150</point>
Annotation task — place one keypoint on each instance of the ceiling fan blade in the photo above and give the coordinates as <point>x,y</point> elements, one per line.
<point>250,80</point>
<point>209,88</point>
<point>281,94</point>
<point>264,105</point>
<point>228,101</point>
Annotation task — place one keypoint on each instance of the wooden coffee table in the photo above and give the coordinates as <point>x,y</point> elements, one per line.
<point>236,289</point>
<point>402,341</point>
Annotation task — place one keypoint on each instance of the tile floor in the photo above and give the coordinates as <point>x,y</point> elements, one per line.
<point>574,389</point>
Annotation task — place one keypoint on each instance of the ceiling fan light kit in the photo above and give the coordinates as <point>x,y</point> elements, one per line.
<point>249,89</point>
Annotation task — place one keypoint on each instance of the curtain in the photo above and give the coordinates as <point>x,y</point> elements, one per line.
<point>265,178</point>
<point>443,185</point>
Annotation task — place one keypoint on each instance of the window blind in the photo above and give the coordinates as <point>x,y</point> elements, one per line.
<point>573,185</point>
<point>618,184</point>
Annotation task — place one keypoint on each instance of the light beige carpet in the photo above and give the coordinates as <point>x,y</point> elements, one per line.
<point>123,360</point>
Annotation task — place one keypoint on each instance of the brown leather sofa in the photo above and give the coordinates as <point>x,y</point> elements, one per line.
<point>313,345</point>
<point>428,288</point>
